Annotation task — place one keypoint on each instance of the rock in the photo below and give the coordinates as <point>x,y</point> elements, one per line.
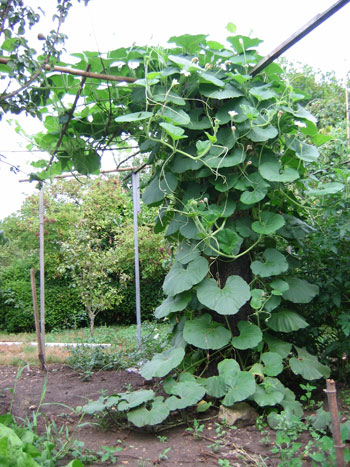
<point>240,414</point>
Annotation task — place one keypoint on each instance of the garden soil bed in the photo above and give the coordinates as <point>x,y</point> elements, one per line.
<point>66,390</point>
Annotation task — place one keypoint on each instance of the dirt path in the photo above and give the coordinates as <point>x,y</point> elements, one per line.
<point>65,391</point>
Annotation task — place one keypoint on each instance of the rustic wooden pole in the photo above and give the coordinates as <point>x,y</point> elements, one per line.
<point>347,117</point>
<point>36,320</point>
<point>333,409</point>
<point>87,74</point>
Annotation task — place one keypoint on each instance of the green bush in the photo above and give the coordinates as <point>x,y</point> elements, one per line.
<point>63,308</point>
<point>125,313</point>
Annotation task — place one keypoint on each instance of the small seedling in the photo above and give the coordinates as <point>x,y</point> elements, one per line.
<point>197,429</point>
<point>163,455</point>
<point>307,399</point>
<point>162,439</point>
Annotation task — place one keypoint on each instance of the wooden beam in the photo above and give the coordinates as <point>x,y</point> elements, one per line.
<point>294,38</point>
<point>87,74</point>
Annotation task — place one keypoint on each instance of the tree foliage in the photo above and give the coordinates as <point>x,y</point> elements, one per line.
<point>88,257</point>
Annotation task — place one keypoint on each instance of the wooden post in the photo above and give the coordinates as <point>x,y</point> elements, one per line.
<point>347,117</point>
<point>333,409</point>
<point>36,320</point>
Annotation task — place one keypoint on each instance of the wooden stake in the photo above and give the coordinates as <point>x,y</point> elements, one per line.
<point>36,320</point>
<point>347,118</point>
<point>333,409</point>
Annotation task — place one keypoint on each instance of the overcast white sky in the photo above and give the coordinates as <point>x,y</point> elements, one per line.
<point>108,24</point>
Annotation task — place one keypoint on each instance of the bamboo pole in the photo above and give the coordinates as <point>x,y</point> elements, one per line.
<point>36,320</point>
<point>333,409</point>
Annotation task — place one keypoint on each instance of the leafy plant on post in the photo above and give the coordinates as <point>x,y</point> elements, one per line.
<point>229,166</point>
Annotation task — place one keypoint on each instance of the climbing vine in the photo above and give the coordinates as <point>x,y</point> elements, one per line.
<point>229,155</point>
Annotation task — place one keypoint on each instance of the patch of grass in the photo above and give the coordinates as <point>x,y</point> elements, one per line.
<point>123,349</point>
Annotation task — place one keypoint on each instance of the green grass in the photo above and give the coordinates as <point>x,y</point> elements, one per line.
<point>124,335</point>
<point>123,351</point>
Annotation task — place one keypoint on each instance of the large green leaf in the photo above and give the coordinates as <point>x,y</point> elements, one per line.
<point>300,291</point>
<point>269,392</point>
<point>226,301</point>
<point>263,92</point>
<point>262,133</point>
<point>304,151</point>
<point>186,253</point>
<point>260,188</point>
<point>159,187</point>
<point>326,189</point>
<point>273,365</point>
<point>205,333</point>
<point>134,117</point>
<point>225,160</point>
<point>228,240</point>
<point>240,387</point>
<point>271,169</point>
<point>275,264</point>
<point>277,345</point>
<point>134,399</point>
<point>162,363</point>
<point>250,336</point>
<point>143,416</point>
<point>175,132</point>
<point>279,286</point>
<point>172,305</point>
<point>184,277</point>
<point>308,366</point>
<point>269,223</point>
<point>189,42</point>
<point>185,394</point>
<point>286,321</point>
<point>226,93</point>
<point>176,116</point>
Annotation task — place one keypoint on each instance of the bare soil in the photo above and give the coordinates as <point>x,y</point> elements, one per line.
<point>65,391</point>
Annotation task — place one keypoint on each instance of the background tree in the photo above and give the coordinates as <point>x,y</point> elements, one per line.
<point>89,257</point>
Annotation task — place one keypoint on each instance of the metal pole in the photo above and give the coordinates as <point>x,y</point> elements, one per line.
<point>42,279</point>
<point>136,210</point>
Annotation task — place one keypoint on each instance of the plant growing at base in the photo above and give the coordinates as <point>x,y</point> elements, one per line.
<point>230,155</point>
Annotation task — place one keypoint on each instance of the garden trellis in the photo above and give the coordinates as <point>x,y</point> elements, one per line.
<point>87,74</point>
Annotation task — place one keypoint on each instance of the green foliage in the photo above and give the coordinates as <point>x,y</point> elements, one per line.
<point>231,156</point>
<point>22,447</point>
<point>93,221</point>
<point>26,89</point>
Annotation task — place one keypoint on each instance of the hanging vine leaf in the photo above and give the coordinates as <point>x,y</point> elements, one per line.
<point>273,365</point>
<point>300,291</point>
<point>143,416</point>
<point>184,394</point>
<point>226,301</point>
<point>275,264</point>
<point>162,363</point>
<point>172,305</point>
<point>308,366</point>
<point>250,336</point>
<point>240,387</point>
<point>270,223</point>
<point>286,321</point>
<point>182,277</point>
<point>205,333</point>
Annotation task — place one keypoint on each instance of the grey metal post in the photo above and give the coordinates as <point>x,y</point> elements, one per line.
<point>42,276</point>
<point>136,210</point>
